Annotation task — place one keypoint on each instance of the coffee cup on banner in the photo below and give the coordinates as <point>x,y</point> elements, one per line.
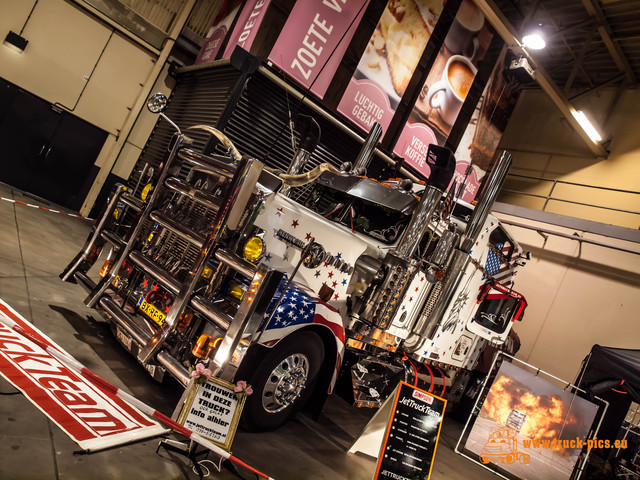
<point>462,38</point>
<point>448,94</point>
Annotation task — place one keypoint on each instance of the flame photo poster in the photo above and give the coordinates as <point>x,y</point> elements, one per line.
<point>529,426</point>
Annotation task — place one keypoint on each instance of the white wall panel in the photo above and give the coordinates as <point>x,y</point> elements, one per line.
<point>577,296</point>
<point>64,45</point>
<point>115,84</point>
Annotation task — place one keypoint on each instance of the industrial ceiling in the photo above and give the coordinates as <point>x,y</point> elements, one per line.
<point>590,43</point>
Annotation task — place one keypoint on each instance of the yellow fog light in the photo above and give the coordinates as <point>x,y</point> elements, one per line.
<point>145,192</point>
<point>203,346</point>
<point>236,292</point>
<point>207,272</point>
<point>253,249</point>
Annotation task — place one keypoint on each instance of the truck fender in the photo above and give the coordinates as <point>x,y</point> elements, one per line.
<point>326,376</point>
<point>333,346</point>
<point>298,308</point>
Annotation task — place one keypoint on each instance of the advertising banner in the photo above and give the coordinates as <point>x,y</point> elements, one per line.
<point>94,418</point>
<point>308,49</point>
<point>531,427</point>
<point>389,61</point>
<point>446,86</point>
<point>218,31</point>
<point>482,136</point>
<point>247,26</point>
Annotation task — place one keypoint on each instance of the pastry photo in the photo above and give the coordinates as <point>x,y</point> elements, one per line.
<point>396,46</point>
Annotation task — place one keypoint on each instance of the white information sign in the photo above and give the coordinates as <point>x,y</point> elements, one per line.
<point>213,411</point>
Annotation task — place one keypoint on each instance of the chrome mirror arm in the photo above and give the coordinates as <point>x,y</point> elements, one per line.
<point>171,122</point>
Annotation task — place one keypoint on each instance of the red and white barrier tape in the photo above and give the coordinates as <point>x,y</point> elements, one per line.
<point>146,409</point>
<point>11,200</point>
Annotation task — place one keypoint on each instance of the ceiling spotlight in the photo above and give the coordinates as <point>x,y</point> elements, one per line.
<point>15,42</point>
<point>534,40</point>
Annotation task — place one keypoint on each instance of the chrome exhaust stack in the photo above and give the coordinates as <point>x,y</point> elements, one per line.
<point>400,265</point>
<point>486,198</point>
<point>460,259</point>
<point>443,166</point>
<point>363,159</point>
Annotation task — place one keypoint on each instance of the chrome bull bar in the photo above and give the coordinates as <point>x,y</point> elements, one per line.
<point>239,179</point>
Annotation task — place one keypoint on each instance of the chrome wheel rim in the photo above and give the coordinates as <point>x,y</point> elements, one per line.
<point>285,383</point>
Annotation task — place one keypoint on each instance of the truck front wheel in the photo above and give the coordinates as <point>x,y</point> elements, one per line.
<point>283,381</point>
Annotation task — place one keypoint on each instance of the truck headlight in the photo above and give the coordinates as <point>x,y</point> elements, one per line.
<point>253,249</point>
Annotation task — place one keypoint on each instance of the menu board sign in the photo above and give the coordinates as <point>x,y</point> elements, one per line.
<point>313,40</point>
<point>447,85</point>
<point>412,434</point>
<point>213,411</point>
<point>389,61</point>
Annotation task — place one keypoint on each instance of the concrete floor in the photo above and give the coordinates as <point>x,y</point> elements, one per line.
<point>35,246</point>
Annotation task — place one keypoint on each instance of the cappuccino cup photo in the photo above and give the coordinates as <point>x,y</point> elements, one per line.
<point>462,38</point>
<point>448,94</point>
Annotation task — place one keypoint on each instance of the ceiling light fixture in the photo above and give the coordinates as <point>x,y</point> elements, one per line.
<point>587,126</point>
<point>534,40</point>
<point>15,42</point>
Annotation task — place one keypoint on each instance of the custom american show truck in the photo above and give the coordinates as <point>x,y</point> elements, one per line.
<point>367,283</point>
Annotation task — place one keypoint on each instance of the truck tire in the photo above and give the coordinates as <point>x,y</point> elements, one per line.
<point>283,381</point>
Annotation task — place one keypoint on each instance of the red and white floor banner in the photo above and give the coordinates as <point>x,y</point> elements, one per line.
<point>92,416</point>
<point>11,200</point>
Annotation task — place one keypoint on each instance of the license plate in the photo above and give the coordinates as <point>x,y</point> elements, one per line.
<point>116,282</point>
<point>124,338</point>
<point>152,312</point>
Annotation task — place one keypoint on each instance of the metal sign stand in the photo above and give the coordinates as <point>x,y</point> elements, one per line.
<point>370,439</point>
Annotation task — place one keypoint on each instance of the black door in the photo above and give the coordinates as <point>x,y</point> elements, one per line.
<point>64,173</point>
<point>44,150</point>
<point>27,126</point>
